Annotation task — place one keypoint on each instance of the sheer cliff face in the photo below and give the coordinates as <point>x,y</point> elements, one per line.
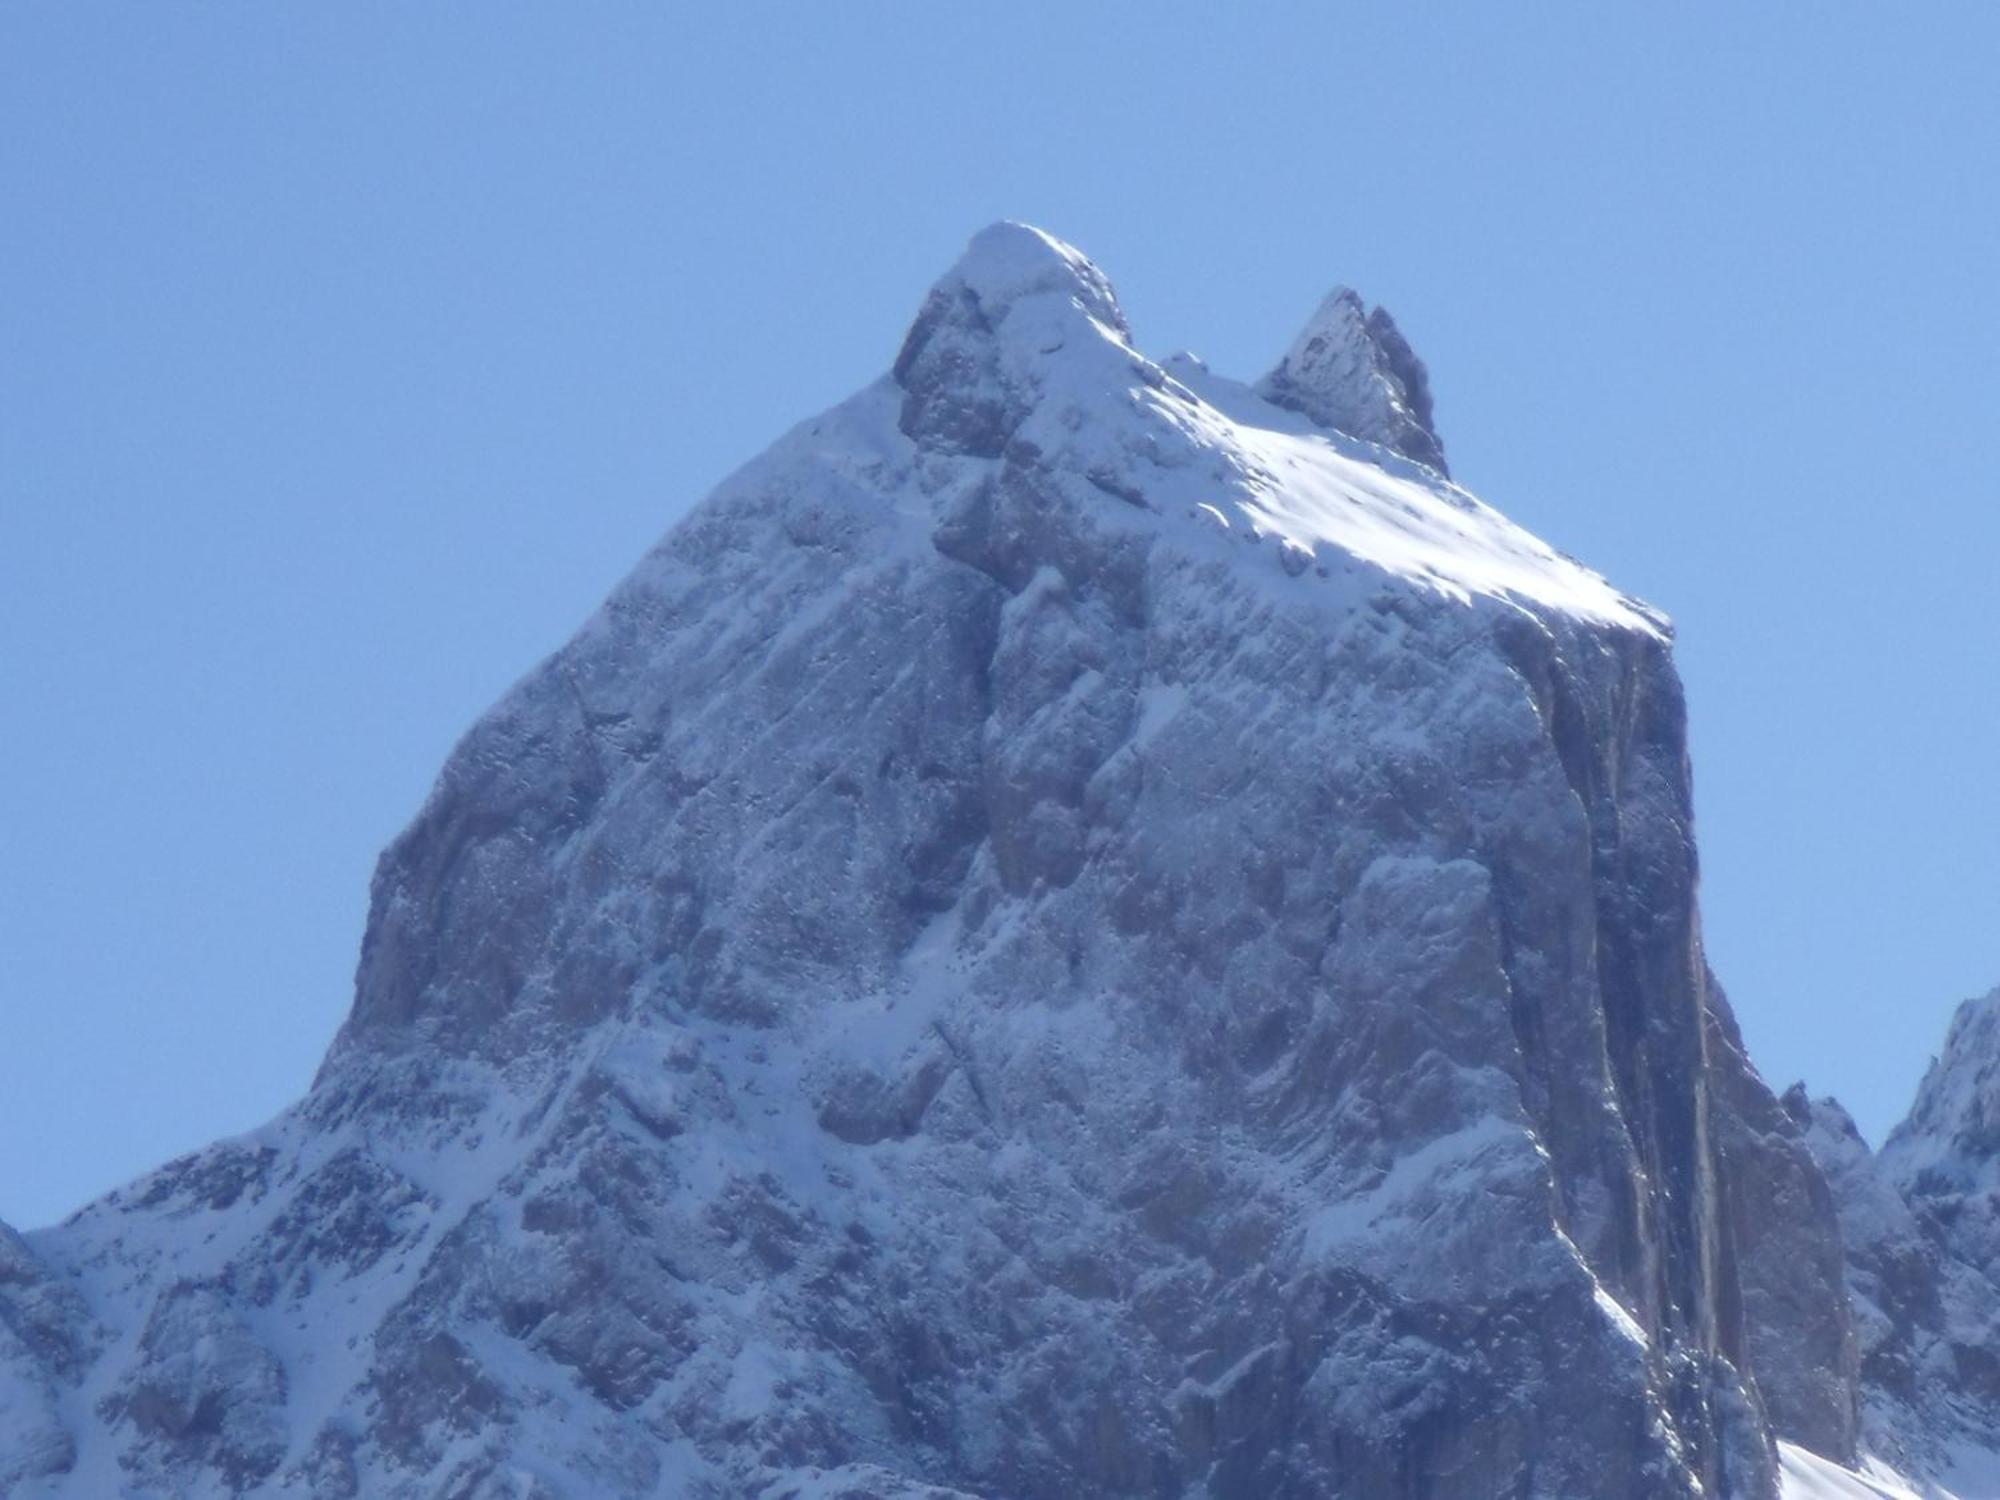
<point>1073,930</point>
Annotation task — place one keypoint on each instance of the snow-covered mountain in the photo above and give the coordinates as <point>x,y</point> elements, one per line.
<point>1080,928</point>
<point>1922,1229</point>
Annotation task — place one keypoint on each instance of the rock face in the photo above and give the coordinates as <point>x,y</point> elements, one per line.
<point>1072,931</point>
<point>1921,1221</point>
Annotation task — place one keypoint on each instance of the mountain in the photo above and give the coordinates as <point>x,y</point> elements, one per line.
<point>1922,1232</point>
<point>1351,369</point>
<point>1078,928</point>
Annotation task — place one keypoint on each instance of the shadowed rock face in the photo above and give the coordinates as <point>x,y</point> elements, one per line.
<point>1052,939</point>
<point>1780,1216</point>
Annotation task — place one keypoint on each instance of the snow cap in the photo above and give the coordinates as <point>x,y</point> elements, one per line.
<point>1009,261</point>
<point>969,365</point>
<point>1352,370</point>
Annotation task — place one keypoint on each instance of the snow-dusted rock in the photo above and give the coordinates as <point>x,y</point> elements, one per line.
<point>1073,930</point>
<point>45,1339</point>
<point>1351,369</point>
<point>1921,1225</point>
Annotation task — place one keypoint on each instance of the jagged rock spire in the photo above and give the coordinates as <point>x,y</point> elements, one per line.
<point>1351,369</point>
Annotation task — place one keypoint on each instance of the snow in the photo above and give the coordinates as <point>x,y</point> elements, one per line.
<point>1335,495</point>
<point>1009,263</point>
<point>1613,1309</point>
<point>1807,1476</point>
<point>1436,1175</point>
<point>1960,1093</point>
<point>1202,449</point>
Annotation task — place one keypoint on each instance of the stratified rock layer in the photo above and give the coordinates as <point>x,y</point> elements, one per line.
<point>1071,931</point>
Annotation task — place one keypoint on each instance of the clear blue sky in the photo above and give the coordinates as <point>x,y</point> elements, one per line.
<point>349,353</point>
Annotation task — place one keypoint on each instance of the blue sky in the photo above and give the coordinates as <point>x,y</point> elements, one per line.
<point>348,354</point>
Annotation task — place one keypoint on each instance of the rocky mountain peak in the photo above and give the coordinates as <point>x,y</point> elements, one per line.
<point>1952,1134</point>
<point>979,351</point>
<point>1070,930</point>
<point>1351,369</point>
<point>1920,1227</point>
<point>1008,262</point>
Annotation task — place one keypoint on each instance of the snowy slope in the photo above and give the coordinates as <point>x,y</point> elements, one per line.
<point>1076,929</point>
<point>1806,1476</point>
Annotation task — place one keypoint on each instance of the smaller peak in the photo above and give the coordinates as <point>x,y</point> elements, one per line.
<point>1352,370</point>
<point>1954,1127</point>
<point>1825,1114</point>
<point>1976,1021</point>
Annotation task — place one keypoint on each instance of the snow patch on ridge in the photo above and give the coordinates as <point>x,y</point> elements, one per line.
<point>1807,1476</point>
<point>1318,490</point>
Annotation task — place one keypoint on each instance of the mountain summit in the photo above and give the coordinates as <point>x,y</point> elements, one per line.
<point>1078,928</point>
